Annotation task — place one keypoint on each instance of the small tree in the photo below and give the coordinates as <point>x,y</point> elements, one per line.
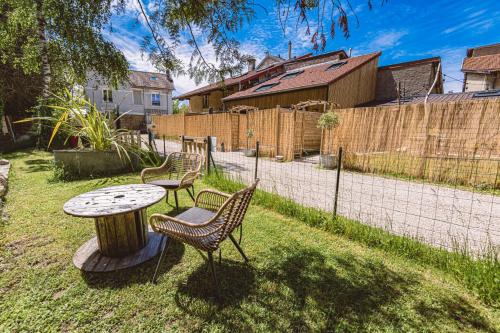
<point>327,121</point>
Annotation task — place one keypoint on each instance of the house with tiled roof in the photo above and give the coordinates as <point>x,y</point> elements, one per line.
<point>210,98</point>
<point>481,68</point>
<point>346,81</point>
<point>409,79</point>
<point>143,94</point>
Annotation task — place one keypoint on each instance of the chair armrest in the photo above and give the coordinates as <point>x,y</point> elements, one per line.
<point>170,225</point>
<point>211,200</point>
<point>189,177</point>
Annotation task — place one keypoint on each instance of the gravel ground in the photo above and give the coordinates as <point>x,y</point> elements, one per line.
<point>438,215</point>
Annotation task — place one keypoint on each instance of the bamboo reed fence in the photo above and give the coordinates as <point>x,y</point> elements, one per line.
<point>440,142</point>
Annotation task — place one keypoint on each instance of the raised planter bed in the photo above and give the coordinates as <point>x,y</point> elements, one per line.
<point>92,163</point>
<point>4,176</point>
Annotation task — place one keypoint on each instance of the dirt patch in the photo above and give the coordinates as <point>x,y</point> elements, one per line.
<point>20,246</point>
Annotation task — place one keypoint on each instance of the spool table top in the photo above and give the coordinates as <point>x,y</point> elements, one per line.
<point>114,200</point>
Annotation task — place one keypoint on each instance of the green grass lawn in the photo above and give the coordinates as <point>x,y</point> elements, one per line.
<point>299,278</point>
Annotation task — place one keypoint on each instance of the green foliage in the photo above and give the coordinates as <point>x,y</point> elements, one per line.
<point>328,120</point>
<point>480,275</point>
<point>179,108</point>
<point>74,36</point>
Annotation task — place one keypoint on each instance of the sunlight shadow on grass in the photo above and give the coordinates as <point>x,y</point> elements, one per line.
<point>300,289</point>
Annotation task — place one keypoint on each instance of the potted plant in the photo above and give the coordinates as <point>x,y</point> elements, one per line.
<point>101,148</point>
<point>249,152</point>
<point>327,121</point>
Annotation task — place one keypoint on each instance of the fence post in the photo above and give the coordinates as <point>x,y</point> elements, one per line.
<point>257,145</point>
<point>209,152</point>
<point>164,147</point>
<point>339,165</point>
<point>150,137</point>
<point>183,149</point>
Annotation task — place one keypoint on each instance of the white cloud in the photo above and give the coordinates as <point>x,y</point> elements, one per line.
<point>387,39</point>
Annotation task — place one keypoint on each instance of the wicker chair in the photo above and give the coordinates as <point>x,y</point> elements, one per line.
<point>178,172</point>
<point>212,219</point>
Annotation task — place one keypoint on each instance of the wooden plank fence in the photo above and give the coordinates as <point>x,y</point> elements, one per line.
<point>279,131</point>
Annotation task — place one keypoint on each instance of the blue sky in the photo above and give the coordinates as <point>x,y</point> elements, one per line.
<point>403,30</point>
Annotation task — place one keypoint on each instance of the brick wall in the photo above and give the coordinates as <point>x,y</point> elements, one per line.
<point>415,80</point>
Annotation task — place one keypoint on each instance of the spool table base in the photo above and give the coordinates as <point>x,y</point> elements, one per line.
<point>89,258</point>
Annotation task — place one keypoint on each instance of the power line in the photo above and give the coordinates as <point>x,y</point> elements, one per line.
<point>453,78</point>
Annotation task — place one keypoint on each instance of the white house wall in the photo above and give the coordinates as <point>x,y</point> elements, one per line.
<point>123,98</point>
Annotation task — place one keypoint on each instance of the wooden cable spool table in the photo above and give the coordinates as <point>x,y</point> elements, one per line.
<point>123,238</point>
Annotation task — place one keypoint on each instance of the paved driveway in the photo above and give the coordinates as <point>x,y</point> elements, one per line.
<point>438,215</point>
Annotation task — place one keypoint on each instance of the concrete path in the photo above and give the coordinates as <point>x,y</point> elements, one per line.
<point>438,215</point>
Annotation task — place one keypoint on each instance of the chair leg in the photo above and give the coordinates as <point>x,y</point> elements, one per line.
<point>190,194</point>
<point>162,255</point>
<point>212,268</point>
<point>176,201</point>
<point>240,250</point>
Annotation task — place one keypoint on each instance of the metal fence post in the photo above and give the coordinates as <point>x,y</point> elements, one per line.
<point>164,147</point>
<point>209,153</point>
<point>257,145</point>
<point>337,184</point>
<point>150,137</point>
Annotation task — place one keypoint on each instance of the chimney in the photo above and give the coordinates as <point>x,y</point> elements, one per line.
<point>251,64</point>
<point>289,49</point>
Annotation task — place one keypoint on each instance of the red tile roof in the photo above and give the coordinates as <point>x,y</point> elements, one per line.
<point>312,76</point>
<point>482,63</point>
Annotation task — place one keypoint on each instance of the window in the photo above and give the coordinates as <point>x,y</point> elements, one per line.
<point>155,99</point>
<point>336,65</point>
<point>153,78</point>
<point>205,101</point>
<point>291,75</point>
<point>137,97</point>
<point>266,86</point>
<point>107,95</point>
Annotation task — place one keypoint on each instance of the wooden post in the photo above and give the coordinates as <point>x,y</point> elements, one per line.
<point>276,152</point>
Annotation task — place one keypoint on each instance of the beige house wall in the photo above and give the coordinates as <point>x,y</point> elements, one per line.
<point>479,82</point>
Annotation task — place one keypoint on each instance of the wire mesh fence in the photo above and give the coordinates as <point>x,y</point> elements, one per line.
<point>436,180</point>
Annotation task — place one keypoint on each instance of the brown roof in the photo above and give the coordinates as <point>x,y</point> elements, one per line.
<point>150,80</point>
<point>440,98</point>
<point>411,63</point>
<point>310,76</point>
<point>249,75</point>
<point>219,85</point>
<point>482,63</point>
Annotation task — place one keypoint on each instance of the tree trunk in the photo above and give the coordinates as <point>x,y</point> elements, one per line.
<point>46,72</point>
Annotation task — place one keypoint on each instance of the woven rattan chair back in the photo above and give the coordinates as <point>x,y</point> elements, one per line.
<point>180,163</point>
<point>235,209</point>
